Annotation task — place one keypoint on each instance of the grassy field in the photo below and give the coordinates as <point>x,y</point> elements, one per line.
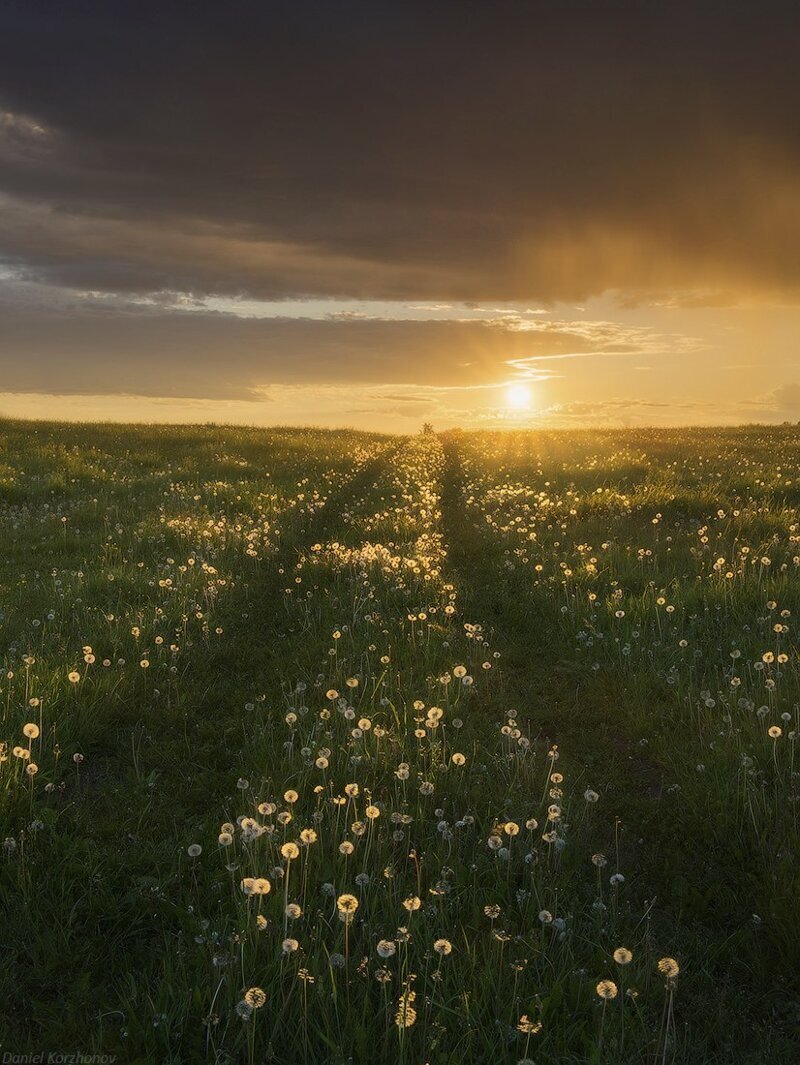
<point>336,747</point>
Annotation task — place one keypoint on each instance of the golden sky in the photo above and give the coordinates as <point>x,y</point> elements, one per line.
<point>377,215</point>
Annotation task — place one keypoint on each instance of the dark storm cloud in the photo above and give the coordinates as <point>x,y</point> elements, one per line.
<point>501,150</point>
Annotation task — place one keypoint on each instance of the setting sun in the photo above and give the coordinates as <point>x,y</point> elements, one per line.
<point>518,397</point>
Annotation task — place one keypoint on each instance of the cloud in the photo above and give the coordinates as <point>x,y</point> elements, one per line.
<point>787,398</point>
<point>56,339</point>
<point>403,151</point>
<point>781,404</point>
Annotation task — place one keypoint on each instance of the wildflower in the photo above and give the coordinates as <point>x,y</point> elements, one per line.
<point>443,947</point>
<point>289,946</point>
<point>669,967</point>
<point>412,903</point>
<point>622,956</point>
<point>527,1026</point>
<point>406,1015</point>
<point>255,998</point>
<point>385,948</point>
<point>194,850</point>
<point>290,851</point>
<point>31,731</point>
<point>347,906</point>
<point>606,989</point>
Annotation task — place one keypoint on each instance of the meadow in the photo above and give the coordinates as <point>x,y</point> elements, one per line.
<point>326,746</point>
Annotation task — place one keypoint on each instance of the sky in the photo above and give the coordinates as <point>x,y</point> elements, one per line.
<point>380,214</point>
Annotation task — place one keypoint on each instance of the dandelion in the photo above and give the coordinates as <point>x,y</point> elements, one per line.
<point>290,851</point>
<point>290,946</point>
<point>527,1026</point>
<point>669,968</point>
<point>412,903</point>
<point>347,906</point>
<point>385,948</point>
<point>194,850</point>
<point>622,956</point>
<point>443,947</point>
<point>255,998</point>
<point>606,989</point>
<point>31,731</point>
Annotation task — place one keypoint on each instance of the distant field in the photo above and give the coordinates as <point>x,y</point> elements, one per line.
<point>332,747</point>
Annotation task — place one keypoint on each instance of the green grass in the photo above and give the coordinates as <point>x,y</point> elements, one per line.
<point>258,623</point>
